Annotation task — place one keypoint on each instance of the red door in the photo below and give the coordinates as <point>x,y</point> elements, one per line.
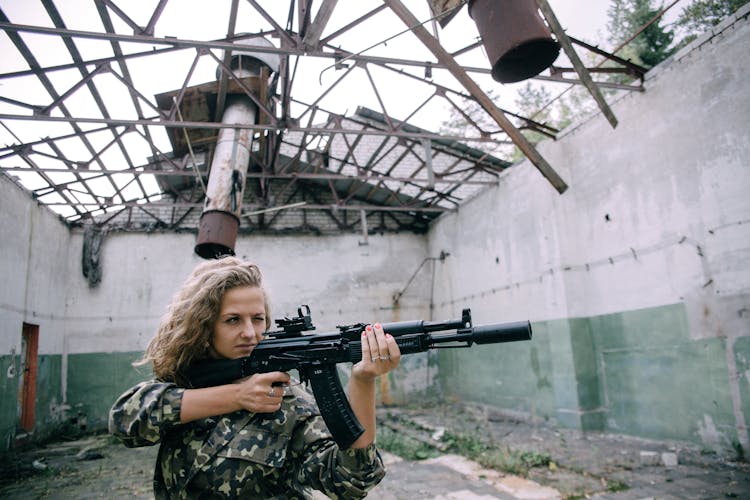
<point>28,390</point>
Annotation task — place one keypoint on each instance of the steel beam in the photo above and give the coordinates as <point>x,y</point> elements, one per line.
<point>483,99</point>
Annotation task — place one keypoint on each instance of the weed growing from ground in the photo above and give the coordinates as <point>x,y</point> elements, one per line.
<point>496,457</point>
<point>404,446</point>
<point>486,454</point>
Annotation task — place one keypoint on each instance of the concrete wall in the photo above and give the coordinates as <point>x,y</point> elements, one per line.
<point>637,279</point>
<point>89,337</point>
<point>34,245</point>
<point>108,327</point>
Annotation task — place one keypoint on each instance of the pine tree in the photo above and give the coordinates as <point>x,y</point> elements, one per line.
<point>652,45</point>
<point>701,15</point>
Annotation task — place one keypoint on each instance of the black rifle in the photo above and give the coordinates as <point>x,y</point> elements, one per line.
<point>315,357</point>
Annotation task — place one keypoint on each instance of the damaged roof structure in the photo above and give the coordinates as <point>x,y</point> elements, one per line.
<point>111,112</point>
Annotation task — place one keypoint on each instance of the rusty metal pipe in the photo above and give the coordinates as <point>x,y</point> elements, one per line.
<point>220,220</point>
<point>519,44</point>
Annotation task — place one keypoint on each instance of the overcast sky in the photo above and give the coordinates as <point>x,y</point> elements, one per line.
<point>191,19</point>
<point>402,97</point>
<point>200,20</point>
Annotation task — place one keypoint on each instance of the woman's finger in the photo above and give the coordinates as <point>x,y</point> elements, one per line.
<point>272,378</point>
<point>383,352</point>
<point>393,350</point>
<point>372,341</point>
<point>366,353</point>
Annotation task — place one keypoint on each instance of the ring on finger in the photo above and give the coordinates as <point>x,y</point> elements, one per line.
<point>387,357</point>
<point>375,358</point>
<point>272,392</point>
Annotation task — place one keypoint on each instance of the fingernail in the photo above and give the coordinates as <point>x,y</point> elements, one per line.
<point>388,336</point>
<point>364,334</point>
<point>377,325</point>
<point>368,328</point>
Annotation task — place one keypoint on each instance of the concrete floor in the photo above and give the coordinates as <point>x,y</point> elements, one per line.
<point>96,467</point>
<point>601,466</point>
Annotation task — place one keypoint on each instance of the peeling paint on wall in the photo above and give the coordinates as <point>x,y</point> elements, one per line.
<point>709,434</point>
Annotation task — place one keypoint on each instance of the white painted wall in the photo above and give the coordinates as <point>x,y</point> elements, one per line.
<point>342,281</point>
<point>673,178</point>
<point>34,251</point>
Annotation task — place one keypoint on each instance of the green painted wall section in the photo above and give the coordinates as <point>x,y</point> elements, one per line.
<point>9,395</point>
<point>658,381</point>
<point>576,394</point>
<point>742,360</point>
<point>96,380</point>
<point>48,409</point>
<point>669,392</point>
<point>635,372</point>
<point>514,376</point>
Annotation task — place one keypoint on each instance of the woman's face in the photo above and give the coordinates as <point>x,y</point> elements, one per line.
<point>241,322</point>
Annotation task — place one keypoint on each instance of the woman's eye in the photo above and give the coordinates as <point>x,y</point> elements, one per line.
<point>232,320</point>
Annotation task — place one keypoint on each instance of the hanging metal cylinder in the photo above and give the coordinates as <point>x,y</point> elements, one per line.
<point>220,220</point>
<point>519,44</point>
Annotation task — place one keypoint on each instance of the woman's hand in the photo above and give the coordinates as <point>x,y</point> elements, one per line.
<point>380,354</point>
<point>255,393</point>
<point>262,392</point>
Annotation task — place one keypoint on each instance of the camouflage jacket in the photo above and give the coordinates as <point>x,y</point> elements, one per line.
<point>242,454</point>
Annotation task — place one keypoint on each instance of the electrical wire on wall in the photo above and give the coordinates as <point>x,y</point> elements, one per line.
<point>627,255</point>
<point>397,296</point>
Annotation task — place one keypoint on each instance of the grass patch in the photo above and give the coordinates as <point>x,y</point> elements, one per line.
<point>496,457</point>
<point>404,446</point>
<point>614,486</point>
<point>404,437</point>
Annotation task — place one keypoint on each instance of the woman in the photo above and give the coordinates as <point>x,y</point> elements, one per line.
<point>251,438</point>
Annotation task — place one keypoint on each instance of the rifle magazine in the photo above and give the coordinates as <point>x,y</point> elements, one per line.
<point>333,405</point>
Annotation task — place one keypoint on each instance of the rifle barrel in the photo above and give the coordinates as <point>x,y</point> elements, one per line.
<point>501,332</point>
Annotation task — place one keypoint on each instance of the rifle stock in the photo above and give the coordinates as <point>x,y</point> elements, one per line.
<point>315,357</point>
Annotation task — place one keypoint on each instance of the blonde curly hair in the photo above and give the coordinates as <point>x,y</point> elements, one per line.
<point>185,333</point>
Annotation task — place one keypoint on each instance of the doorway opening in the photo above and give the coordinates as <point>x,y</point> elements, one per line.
<point>27,394</point>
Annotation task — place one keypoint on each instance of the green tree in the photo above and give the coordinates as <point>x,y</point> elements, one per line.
<point>652,45</point>
<point>533,98</point>
<point>701,15</point>
<point>532,102</point>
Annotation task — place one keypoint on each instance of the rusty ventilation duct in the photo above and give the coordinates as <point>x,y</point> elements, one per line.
<point>518,42</point>
<point>220,220</point>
